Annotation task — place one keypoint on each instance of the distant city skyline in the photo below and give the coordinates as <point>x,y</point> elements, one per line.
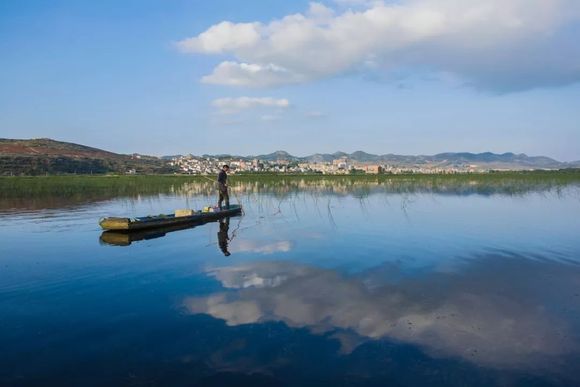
<point>413,77</point>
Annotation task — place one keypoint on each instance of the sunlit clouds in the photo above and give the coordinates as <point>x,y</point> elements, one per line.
<point>496,44</point>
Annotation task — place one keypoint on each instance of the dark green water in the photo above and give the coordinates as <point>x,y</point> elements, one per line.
<point>338,282</point>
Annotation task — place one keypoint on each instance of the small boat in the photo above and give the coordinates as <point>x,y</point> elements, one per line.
<point>124,238</point>
<point>150,222</point>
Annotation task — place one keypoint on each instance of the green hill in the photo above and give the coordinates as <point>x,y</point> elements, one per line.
<point>46,156</point>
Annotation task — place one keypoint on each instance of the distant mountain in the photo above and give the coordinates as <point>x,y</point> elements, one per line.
<point>321,158</point>
<point>278,155</point>
<point>487,159</point>
<point>46,156</point>
<point>170,157</point>
<point>364,157</point>
<point>484,160</point>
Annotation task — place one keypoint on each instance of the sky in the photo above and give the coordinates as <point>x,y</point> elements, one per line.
<point>166,77</point>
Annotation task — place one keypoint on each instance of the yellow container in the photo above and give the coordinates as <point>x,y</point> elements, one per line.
<point>182,213</point>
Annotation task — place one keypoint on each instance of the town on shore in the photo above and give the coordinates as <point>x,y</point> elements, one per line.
<point>32,157</point>
<point>197,165</point>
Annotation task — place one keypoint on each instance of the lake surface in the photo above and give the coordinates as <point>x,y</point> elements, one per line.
<point>338,282</point>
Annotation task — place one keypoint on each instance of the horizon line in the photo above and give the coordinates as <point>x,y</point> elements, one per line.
<point>294,155</point>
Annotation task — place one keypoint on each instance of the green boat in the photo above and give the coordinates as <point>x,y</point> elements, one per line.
<point>150,222</point>
<point>124,238</point>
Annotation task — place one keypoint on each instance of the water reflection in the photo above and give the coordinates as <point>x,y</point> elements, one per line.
<point>468,282</point>
<point>489,312</point>
<point>119,238</point>
<point>262,247</point>
<point>223,237</point>
<point>61,192</point>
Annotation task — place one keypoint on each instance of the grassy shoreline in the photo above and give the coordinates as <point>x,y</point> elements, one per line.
<point>40,192</point>
<point>574,171</point>
<point>571,174</point>
<point>25,185</point>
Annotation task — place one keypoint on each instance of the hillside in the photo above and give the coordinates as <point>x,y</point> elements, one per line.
<point>505,160</point>
<point>46,156</point>
<point>489,160</point>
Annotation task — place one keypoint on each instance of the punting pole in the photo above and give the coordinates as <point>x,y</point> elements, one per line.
<point>215,182</point>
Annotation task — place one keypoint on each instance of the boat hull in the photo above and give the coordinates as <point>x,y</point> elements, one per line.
<point>124,238</point>
<point>127,225</point>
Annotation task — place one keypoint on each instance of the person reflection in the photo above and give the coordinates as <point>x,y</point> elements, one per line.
<point>223,237</point>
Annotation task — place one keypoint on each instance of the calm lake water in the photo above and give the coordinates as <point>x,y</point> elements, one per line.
<point>320,282</point>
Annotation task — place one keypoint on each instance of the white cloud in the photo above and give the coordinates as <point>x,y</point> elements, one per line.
<point>236,105</point>
<point>494,43</point>
<point>356,3</point>
<point>251,75</point>
<point>222,37</point>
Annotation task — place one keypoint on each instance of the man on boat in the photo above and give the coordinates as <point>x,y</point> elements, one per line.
<point>223,187</point>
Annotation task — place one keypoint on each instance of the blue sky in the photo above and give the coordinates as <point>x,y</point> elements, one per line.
<point>223,76</point>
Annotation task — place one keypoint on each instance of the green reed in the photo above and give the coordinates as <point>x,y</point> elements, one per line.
<point>103,187</point>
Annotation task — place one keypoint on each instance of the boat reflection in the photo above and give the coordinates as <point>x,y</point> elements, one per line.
<point>120,238</point>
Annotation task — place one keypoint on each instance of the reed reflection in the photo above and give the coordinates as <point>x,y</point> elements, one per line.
<point>26,194</point>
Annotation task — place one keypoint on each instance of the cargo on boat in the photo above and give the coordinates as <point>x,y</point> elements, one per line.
<point>181,217</point>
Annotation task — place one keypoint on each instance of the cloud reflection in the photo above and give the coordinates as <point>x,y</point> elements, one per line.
<point>492,312</point>
<point>251,246</point>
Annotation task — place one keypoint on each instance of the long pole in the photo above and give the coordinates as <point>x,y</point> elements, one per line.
<point>213,181</point>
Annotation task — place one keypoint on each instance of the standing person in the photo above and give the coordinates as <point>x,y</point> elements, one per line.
<point>223,187</point>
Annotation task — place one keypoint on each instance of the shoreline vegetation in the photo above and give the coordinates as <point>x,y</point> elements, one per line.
<point>69,191</point>
<point>566,171</point>
<point>570,172</point>
<point>26,185</point>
